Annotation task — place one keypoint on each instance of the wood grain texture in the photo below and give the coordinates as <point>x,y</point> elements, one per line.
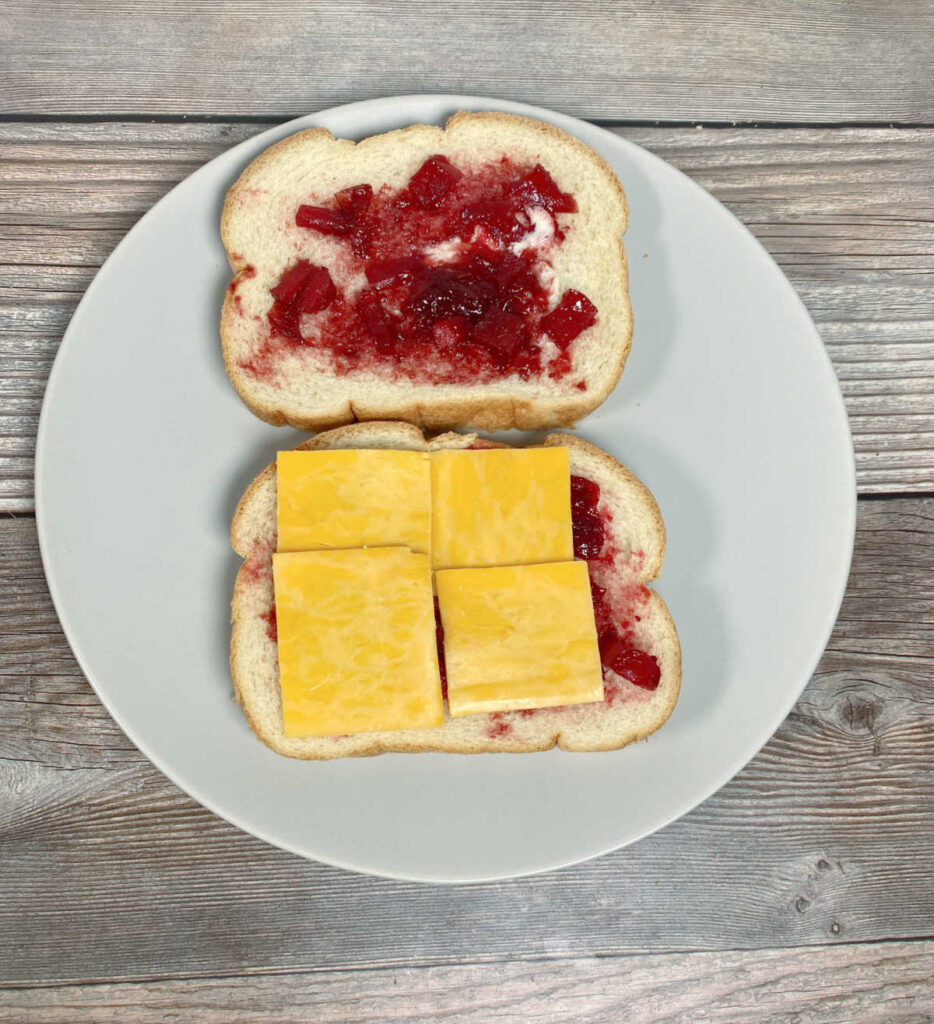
<point>888,983</point>
<point>849,215</point>
<point>740,59</point>
<point>122,899</point>
<point>823,838</point>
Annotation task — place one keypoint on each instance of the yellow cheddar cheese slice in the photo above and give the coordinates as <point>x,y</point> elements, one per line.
<point>509,506</point>
<point>357,648</point>
<point>519,637</point>
<point>353,499</point>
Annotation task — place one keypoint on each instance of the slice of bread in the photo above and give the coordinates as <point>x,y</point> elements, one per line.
<point>302,388</point>
<point>636,533</point>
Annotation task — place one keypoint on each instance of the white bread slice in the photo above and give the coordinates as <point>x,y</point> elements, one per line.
<point>637,532</point>
<point>259,233</point>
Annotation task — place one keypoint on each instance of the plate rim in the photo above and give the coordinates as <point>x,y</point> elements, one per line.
<point>569,122</point>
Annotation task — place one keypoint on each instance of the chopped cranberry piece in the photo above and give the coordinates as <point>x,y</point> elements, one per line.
<point>361,241</point>
<point>319,291</point>
<point>586,522</point>
<point>325,221</point>
<point>355,201</point>
<point>498,216</point>
<point>585,494</point>
<point>432,182</point>
<point>451,291</point>
<point>385,271</point>
<point>612,645</point>
<point>284,321</point>
<point>502,333</point>
<point>346,220</point>
<point>638,667</point>
<point>589,536</point>
<point>538,188</point>
<point>378,323</point>
<point>573,315</point>
<point>304,288</point>
<point>518,284</point>
<point>291,282</point>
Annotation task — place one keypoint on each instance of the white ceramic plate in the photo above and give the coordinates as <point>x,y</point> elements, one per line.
<point>728,410</point>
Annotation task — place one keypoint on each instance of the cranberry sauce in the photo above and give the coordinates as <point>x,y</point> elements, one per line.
<point>443,280</point>
<point>618,652</point>
<point>439,641</point>
<point>272,624</point>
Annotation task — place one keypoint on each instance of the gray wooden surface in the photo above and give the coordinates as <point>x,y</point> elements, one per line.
<point>803,890</point>
<point>787,60</point>
<point>888,983</point>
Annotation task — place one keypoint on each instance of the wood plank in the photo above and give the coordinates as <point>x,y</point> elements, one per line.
<point>878,983</point>
<point>824,61</point>
<point>848,213</point>
<point>823,838</point>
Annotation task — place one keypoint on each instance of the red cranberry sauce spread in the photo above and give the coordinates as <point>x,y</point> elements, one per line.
<point>445,280</point>
<point>618,652</point>
<point>439,641</point>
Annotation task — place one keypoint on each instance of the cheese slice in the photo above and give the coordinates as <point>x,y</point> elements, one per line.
<point>519,637</point>
<point>357,649</point>
<point>501,506</point>
<point>353,499</point>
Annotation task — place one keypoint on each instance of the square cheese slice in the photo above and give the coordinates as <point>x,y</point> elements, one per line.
<point>357,648</point>
<point>353,499</point>
<point>519,637</point>
<point>500,506</point>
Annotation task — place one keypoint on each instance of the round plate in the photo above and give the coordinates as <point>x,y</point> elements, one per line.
<point>728,410</point>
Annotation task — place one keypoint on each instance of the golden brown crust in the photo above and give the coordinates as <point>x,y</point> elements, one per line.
<point>404,435</point>
<point>488,409</point>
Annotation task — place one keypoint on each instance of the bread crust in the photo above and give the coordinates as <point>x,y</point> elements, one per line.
<point>249,520</point>
<point>488,406</point>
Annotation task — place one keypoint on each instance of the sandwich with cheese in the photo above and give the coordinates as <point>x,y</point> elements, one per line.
<point>453,595</point>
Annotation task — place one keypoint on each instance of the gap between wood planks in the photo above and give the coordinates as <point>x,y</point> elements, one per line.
<point>877,983</point>
<point>270,120</point>
<point>528,960</point>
